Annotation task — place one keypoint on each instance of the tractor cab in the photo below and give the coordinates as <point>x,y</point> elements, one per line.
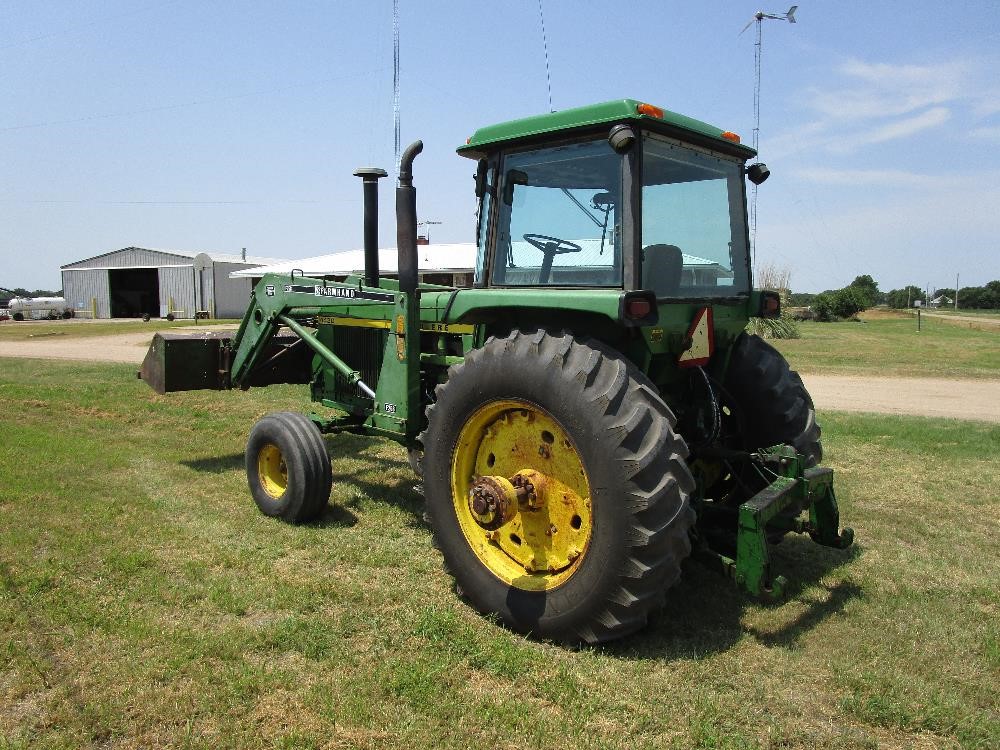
<point>619,195</point>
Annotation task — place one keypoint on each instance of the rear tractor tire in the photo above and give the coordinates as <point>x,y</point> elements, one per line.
<point>288,468</point>
<point>771,399</point>
<point>766,404</point>
<point>556,487</point>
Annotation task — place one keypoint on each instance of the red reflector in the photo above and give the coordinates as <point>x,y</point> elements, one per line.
<point>637,307</point>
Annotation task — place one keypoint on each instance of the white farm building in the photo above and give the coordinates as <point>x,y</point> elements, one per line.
<point>136,281</point>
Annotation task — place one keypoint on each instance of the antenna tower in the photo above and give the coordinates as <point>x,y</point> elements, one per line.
<point>545,45</point>
<point>758,18</point>
<point>395,83</point>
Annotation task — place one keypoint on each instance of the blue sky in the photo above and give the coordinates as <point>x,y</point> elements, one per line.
<point>215,124</point>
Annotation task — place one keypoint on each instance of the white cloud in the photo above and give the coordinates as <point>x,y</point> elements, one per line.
<point>872,103</point>
<point>903,128</point>
<point>818,135</point>
<point>883,90</point>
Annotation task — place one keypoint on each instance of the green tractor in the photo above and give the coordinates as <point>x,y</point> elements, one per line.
<point>584,417</point>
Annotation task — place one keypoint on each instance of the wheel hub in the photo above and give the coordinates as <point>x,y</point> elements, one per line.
<point>493,502</point>
<point>522,495</point>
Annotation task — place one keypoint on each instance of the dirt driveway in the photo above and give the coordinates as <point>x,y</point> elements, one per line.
<point>928,397</point>
<point>119,347</point>
<point>931,397</point>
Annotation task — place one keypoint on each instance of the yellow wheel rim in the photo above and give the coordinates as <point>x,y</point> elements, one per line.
<point>545,539</point>
<point>272,470</point>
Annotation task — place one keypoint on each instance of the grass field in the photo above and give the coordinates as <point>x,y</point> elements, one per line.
<point>144,601</point>
<point>888,344</point>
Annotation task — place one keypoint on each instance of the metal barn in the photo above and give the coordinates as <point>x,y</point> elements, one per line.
<point>135,281</point>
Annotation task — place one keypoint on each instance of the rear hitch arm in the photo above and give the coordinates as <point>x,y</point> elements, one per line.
<point>793,485</point>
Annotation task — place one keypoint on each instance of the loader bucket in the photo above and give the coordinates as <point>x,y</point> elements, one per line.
<point>179,362</point>
<point>201,361</point>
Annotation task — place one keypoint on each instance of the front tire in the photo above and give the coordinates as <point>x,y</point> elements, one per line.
<point>288,468</point>
<point>594,552</point>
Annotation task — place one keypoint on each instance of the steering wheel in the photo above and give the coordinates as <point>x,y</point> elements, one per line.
<point>552,245</point>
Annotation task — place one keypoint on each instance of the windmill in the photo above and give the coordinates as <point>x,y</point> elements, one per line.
<point>758,18</point>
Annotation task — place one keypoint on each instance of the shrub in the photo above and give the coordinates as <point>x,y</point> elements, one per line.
<point>784,327</point>
<point>822,307</point>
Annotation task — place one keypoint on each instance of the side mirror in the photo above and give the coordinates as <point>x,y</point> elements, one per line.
<point>514,177</point>
<point>758,172</point>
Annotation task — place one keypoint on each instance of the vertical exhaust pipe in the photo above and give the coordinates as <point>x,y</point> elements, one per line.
<point>406,219</point>
<point>370,177</point>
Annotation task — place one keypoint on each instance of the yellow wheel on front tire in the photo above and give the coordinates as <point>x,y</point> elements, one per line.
<point>272,470</point>
<point>288,468</point>
<point>543,537</point>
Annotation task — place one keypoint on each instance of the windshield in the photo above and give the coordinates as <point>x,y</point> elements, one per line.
<point>693,222</point>
<point>559,219</point>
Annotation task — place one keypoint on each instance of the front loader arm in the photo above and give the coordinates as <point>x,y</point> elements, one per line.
<point>286,301</point>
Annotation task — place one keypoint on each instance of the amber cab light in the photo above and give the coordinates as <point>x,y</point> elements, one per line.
<point>729,135</point>
<point>650,110</point>
<point>637,308</point>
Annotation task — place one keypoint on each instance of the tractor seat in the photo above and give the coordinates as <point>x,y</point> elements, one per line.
<point>661,269</point>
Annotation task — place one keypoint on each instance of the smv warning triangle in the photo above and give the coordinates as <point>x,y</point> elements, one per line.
<point>700,340</point>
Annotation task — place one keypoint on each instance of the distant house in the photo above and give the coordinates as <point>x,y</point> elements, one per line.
<point>940,300</point>
<point>134,282</point>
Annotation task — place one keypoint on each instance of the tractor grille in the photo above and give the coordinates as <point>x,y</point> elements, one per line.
<point>362,349</point>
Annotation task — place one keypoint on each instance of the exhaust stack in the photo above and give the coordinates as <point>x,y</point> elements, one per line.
<point>406,219</point>
<point>370,177</point>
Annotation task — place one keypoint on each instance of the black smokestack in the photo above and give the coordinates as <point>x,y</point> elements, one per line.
<point>370,177</point>
<point>406,219</point>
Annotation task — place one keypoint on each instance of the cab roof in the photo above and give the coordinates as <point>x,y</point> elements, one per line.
<point>492,137</point>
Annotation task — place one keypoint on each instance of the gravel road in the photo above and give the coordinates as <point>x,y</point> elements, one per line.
<point>931,397</point>
<point>121,347</point>
<point>927,397</point>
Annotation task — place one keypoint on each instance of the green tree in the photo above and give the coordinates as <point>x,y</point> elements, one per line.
<point>849,301</point>
<point>902,298</point>
<point>868,288</point>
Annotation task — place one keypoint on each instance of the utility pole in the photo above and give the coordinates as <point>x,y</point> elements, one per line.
<point>956,292</point>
